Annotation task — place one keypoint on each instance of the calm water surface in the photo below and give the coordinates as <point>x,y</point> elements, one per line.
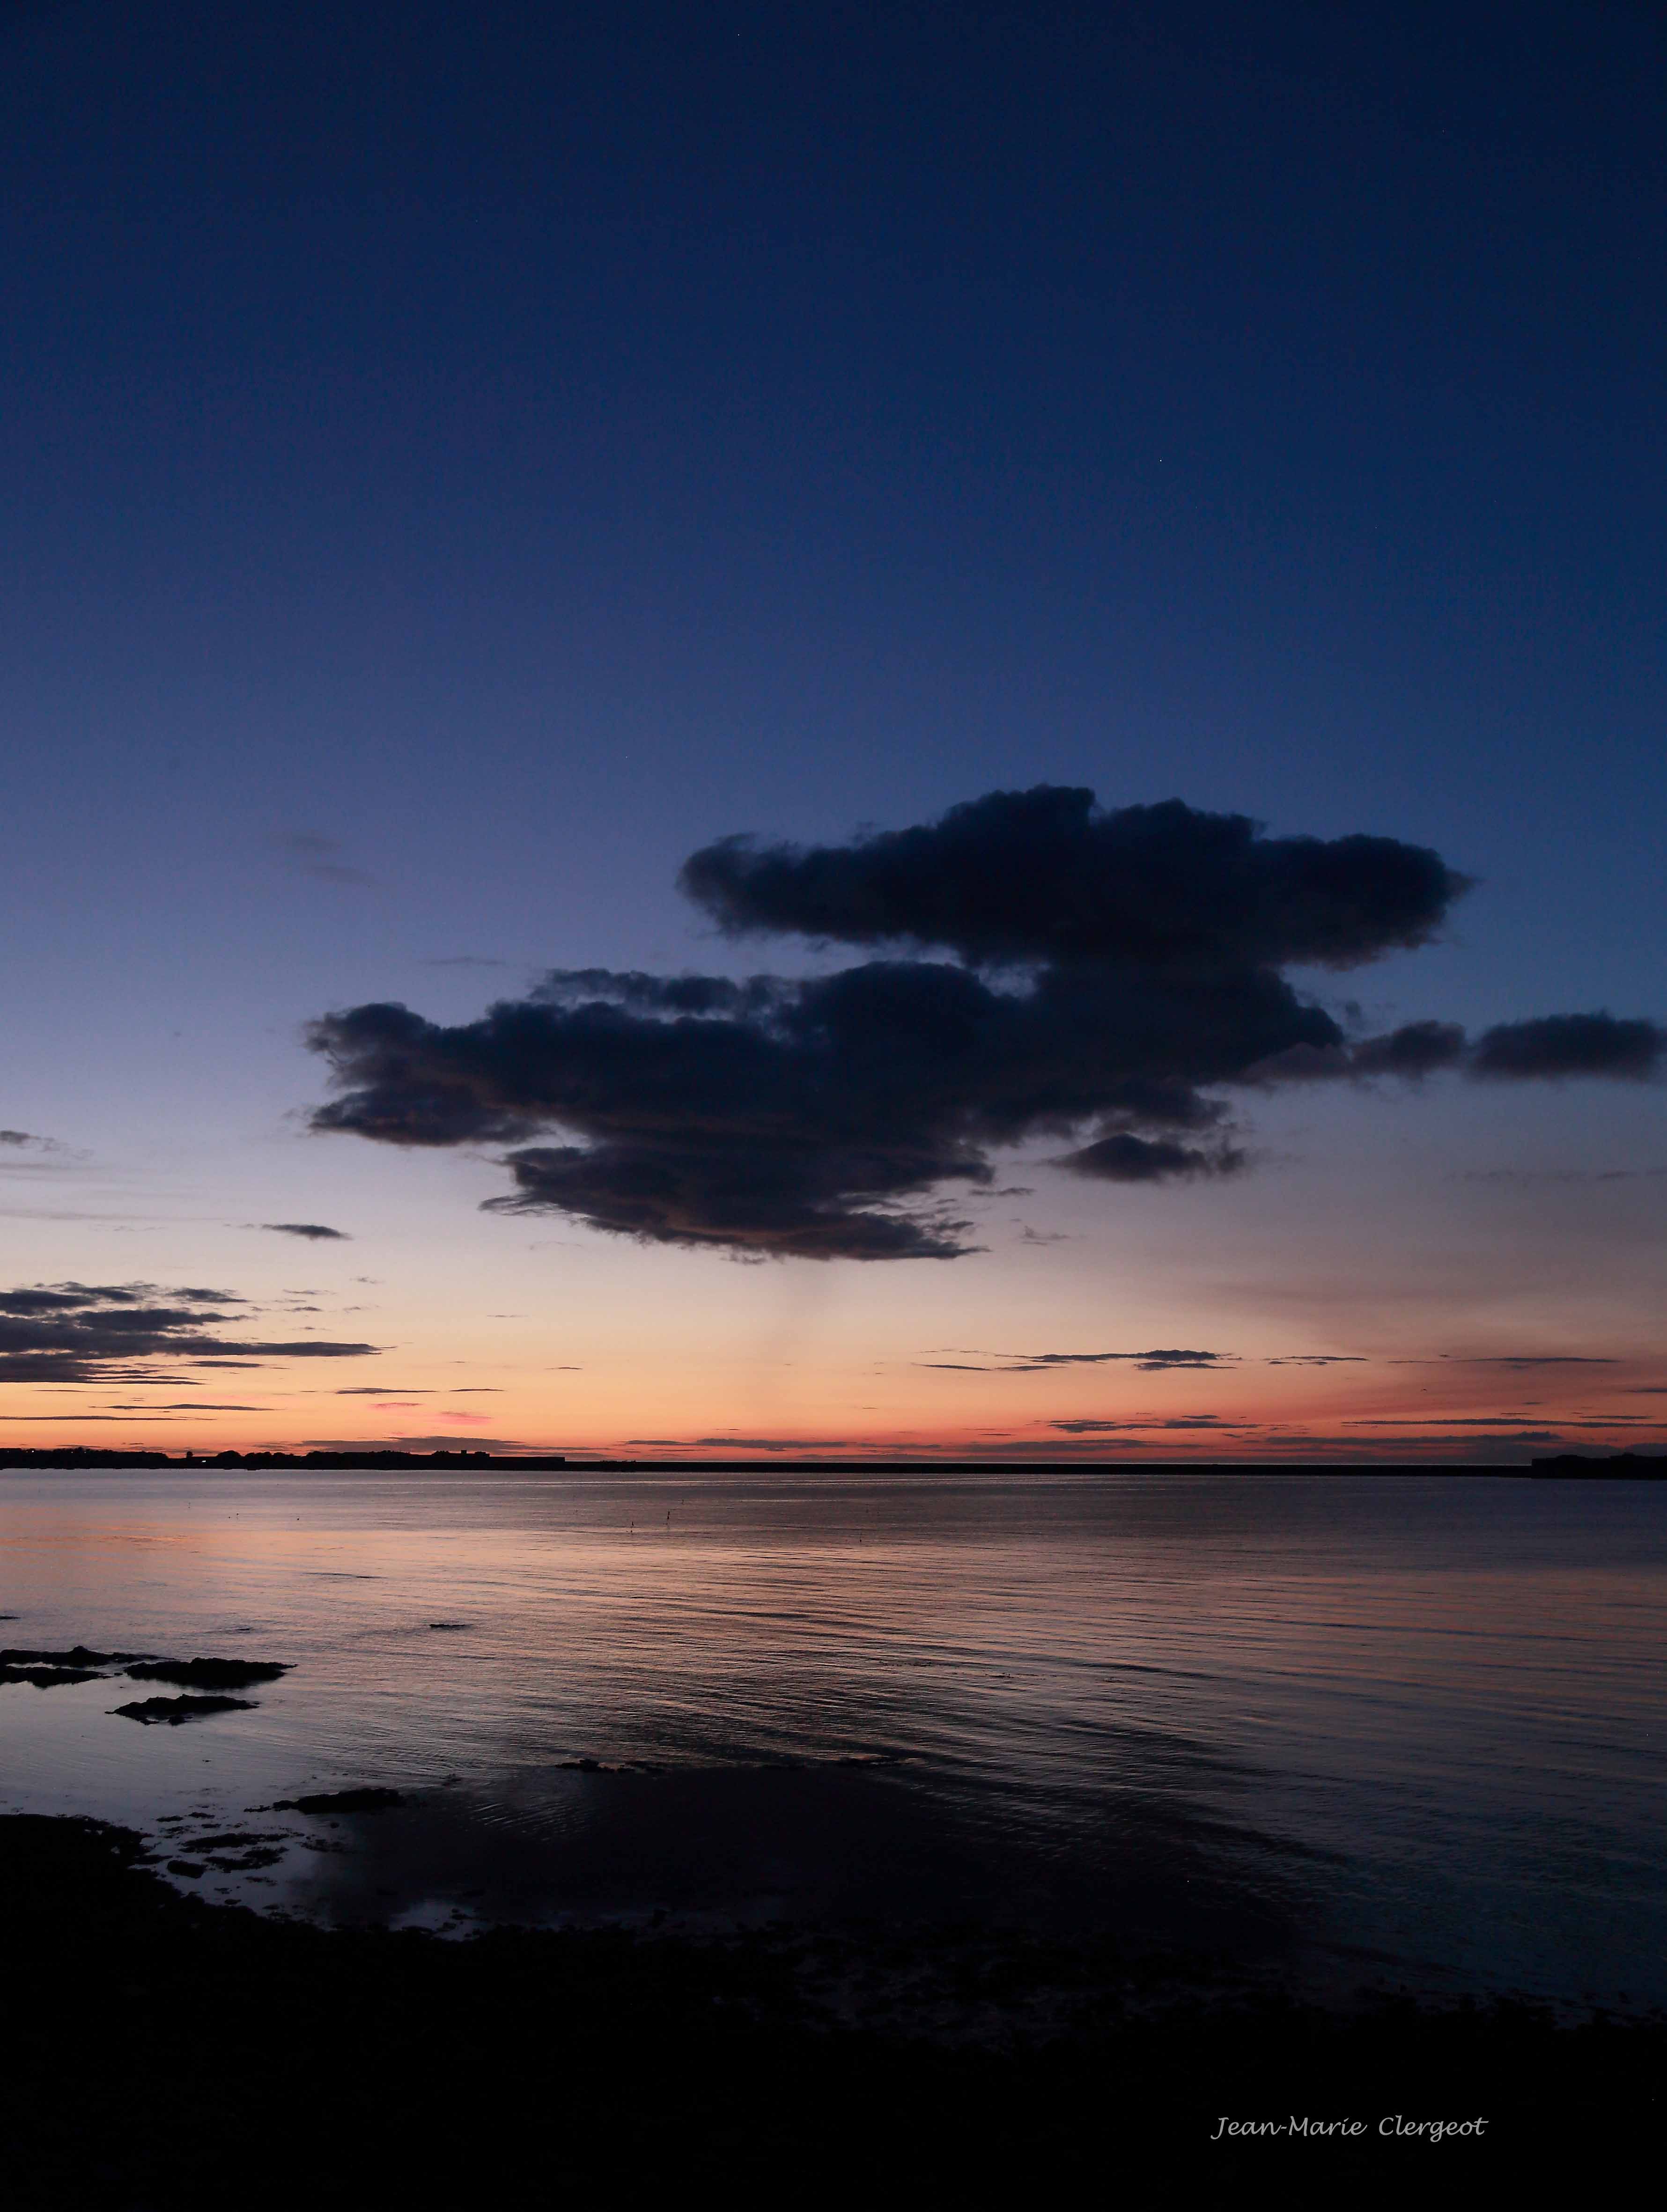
<point>1404,1728</point>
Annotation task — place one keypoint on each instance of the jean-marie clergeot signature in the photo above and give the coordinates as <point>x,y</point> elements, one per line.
<point>1396,2124</point>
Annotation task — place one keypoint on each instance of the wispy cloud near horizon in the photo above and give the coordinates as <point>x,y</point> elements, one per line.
<point>132,1331</point>
<point>1041,1363</point>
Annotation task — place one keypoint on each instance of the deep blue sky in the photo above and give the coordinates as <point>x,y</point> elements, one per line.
<point>490,450</point>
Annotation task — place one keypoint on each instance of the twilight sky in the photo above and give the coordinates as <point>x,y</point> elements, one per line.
<point>1149,519</point>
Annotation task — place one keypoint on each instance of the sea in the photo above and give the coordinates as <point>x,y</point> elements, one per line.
<point>1366,1731</point>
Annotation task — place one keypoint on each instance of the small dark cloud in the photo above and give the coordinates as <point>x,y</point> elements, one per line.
<point>1412,1052</point>
<point>23,1153</point>
<point>386,1390</point>
<point>1028,1235</point>
<point>1416,1049</point>
<point>1177,1421</point>
<point>189,1405</point>
<point>1122,1157</point>
<point>1110,972</point>
<point>1039,1363</point>
<point>1149,1362</point>
<point>1319,1359</point>
<point>89,1333</point>
<point>1559,1045</point>
<point>321,858</point>
<point>313,1232</point>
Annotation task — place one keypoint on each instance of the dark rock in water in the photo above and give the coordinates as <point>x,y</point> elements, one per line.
<point>264,1855</point>
<point>209,1673</point>
<point>49,1678</point>
<point>189,1868</point>
<point>343,1800</point>
<point>448,1624</point>
<point>149,1711</point>
<point>78,1656</point>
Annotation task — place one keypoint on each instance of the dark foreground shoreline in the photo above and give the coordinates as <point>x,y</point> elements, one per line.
<point>162,2053</point>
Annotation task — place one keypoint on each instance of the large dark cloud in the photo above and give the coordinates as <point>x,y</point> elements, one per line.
<point>795,1117</point>
<point>133,1332</point>
<point>1112,972</point>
